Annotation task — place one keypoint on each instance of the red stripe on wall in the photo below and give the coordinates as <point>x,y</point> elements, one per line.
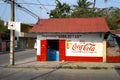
<point>86,59</point>
<point>62,50</point>
<point>43,50</point>
<point>113,59</point>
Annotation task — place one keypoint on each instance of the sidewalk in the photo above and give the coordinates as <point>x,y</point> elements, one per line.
<point>66,65</point>
<point>31,62</point>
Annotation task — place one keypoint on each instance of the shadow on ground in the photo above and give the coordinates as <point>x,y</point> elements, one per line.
<point>46,75</point>
<point>117,68</point>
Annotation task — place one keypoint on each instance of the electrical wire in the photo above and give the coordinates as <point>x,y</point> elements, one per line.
<point>32,8</point>
<point>23,8</point>
<point>33,14</point>
<point>37,4</point>
<point>43,6</point>
<point>27,19</point>
<point>115,1</point>
<point>27,11</point>
<point>16,16</point>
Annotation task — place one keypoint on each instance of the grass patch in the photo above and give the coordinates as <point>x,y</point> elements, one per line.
<point>80,67</point>
<point>73,67</point>
<point>98,68</point>
<point>67,67</point>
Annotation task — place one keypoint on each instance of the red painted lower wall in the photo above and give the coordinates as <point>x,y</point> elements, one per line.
<point>80,59</point>
<point>43,50</point>
<point>38,57</point>
<point>62,50</point>
<point>84,59</point>
<point>113,59</point>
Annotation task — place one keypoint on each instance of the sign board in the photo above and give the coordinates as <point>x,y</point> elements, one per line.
<point>84,48</point>
<point>12,25</point>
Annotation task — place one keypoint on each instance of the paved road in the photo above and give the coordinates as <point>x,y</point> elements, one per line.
<point>19,55</point>
<point>24,73</point>
<point>57,74</point>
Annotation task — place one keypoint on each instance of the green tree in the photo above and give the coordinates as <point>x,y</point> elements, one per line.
<point>3,30</point>
<point>82,9</point>
<point>111,15</point>
<point>61,10</point>
<point>94,3</point>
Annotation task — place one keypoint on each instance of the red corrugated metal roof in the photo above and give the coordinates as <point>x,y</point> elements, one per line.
<point>71,25</point>
<point>115,31</point>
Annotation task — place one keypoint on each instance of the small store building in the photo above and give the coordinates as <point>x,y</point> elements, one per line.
<point>71,39</point>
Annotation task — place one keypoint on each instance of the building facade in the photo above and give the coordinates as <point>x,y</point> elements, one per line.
<point>24,39</point>
<point>113,46</point>
<point>71,39</point>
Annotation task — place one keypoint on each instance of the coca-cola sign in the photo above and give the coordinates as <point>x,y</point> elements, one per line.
<point>83,48</point>
<point>89,47</point>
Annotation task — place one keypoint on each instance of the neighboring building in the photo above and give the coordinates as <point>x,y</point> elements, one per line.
<point>24,39</point>
<point>71,39</point>
<point>113,46</point>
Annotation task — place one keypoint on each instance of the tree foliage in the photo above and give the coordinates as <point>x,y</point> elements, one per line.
<point>4,32</point>
<point>83,9</point>
<point>111,15</point>
<point>61,10</point>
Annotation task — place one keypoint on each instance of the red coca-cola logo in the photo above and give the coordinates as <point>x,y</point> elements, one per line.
<point>89,47</point>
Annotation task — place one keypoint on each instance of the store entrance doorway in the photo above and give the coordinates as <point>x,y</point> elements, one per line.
<point>52,50</point>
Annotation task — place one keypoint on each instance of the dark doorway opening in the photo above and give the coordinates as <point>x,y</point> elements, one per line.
<point>52,50</point>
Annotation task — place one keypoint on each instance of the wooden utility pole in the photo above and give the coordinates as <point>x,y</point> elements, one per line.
<point>12,62</point>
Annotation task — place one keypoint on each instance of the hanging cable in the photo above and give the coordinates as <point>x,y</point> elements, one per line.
<point>32,8</point>
<point>23,8</point>
<point>43,6</point>
<point>116,1</point>
<point>28,18</point>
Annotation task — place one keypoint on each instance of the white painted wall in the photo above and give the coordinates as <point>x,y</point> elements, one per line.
<point>18,29</point>
<point>86,38</point>
<point>80,46</point>
<point>38,46</point>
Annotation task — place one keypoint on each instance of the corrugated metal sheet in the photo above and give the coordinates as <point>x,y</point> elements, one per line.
<point>115,31</point>
<point>71,25</point>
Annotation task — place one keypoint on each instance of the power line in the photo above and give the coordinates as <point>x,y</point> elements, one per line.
<point>23,8</point>
<point>115,1</point>
<point>43,6</point>
<point>51,4</point>
<point>32,8</point>
<point>19,16</point>
<point>27,11</point>
<point>38,4</point>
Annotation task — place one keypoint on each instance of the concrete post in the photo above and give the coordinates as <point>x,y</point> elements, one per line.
<point>104,50</point>
<point>12,35</point>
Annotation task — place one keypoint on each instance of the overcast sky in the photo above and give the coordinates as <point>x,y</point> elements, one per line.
<point>41,11</point>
